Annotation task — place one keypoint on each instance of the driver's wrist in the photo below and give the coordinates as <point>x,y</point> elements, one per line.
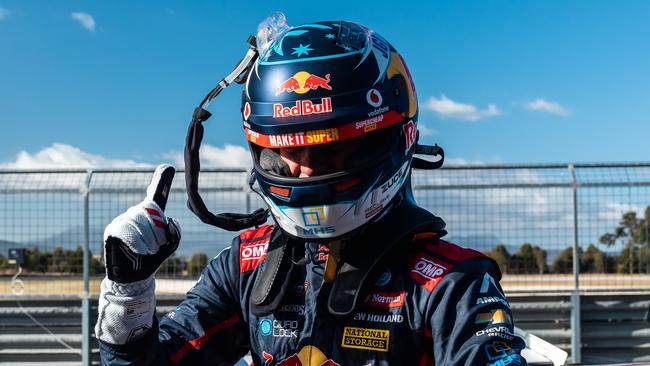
<point>131,289</point>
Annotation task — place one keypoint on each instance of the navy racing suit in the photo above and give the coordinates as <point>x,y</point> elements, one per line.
<point>426,302</point>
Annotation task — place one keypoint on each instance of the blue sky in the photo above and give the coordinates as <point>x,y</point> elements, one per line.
<point>114,82</point>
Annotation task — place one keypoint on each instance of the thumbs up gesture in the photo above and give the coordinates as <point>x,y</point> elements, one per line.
<point>139,240</point>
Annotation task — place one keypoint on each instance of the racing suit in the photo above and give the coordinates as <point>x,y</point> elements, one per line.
<point>428,302</point>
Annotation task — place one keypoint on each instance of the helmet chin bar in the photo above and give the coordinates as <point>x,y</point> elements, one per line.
<point>226,221</point>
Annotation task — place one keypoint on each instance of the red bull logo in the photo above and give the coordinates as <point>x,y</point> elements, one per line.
<point>302,82</point>
<point>307,356</point>
<point>302,108</point>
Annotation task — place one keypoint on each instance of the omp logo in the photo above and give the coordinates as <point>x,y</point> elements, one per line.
<point>428,268</point>
<point>427,272</point>
<point>251,254</point>
<point>313,216</point>
<point>366,338</point>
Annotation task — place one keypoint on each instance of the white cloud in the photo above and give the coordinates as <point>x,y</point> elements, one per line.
<point>86,20</point>
<point>541,105</point>
<point>66,156</point>
<point>426,131</point>
<point>229,156</point>
<point>4,13</point>
<point>446,108</point>
<point>615,210</point>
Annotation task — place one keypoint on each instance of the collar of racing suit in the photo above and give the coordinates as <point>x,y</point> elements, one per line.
<point>359,261</point>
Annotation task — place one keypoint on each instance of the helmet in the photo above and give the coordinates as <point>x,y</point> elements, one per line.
<point>335,88</point>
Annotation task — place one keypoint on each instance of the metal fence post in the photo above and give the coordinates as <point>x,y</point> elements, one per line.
<point>86,349</point>
<point>247,192</point>
<point>576,338</point>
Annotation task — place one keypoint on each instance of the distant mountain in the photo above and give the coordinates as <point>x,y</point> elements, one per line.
<point>479,242</point>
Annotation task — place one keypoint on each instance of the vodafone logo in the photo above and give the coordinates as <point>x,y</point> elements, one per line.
<point>247,111</point>
<point>374,98</point>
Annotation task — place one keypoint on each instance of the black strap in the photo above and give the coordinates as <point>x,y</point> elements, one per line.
<point>435,150</point>
<point>275,273</point>
<point>357,266</point>
<point>226,221</point>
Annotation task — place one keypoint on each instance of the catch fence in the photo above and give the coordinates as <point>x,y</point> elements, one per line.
<point>561,228</point>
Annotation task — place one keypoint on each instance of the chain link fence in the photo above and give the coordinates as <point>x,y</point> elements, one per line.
<point>529,218</point>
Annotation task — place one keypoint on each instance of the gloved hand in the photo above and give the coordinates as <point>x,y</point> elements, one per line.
<point>135,245</point>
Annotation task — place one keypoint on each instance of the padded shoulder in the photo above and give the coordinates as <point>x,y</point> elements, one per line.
<point>454,251</point>
<point>253,246</point>
<point>433,259</point>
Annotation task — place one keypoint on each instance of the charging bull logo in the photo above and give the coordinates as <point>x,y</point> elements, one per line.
<point>302,82</point>
<point>307,356</point>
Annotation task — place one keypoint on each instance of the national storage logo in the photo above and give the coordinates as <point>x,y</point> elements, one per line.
<point>366,338</point>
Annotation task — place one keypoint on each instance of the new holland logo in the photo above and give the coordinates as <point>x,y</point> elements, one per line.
<point>366,338</point>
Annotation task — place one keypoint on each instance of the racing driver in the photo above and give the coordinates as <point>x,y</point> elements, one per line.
<point>352,271</point>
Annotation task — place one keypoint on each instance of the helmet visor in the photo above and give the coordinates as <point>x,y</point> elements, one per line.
<point>326,160</point>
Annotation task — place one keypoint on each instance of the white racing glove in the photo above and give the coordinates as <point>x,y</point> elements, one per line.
<point>135,245</point>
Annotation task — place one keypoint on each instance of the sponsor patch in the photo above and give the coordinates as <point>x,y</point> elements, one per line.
<point>427,271</point>
<point>302,108</point>
<point>292,308</point>
<point>382,299</point>
<point>373,210</point>
<point>251,254</point>
<point>366,338</point>
<point>492,300</point>
<point>374,98</point>
<point>384,278</point>
<point>307,138</point>
<point>247,111</point>
<point>489,282</point>
<point>500,332</point>
<point>266,327</point>
<point>302,82</point>
<point>279,328</point>
<point>411,134</point>
<point>379,318</point>
<point>494,317</point>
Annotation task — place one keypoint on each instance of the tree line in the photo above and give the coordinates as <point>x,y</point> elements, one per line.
<point>61,261</point>
<point>632,233</point>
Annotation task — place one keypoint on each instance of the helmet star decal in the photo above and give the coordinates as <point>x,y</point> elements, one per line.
<point>302,50</point>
